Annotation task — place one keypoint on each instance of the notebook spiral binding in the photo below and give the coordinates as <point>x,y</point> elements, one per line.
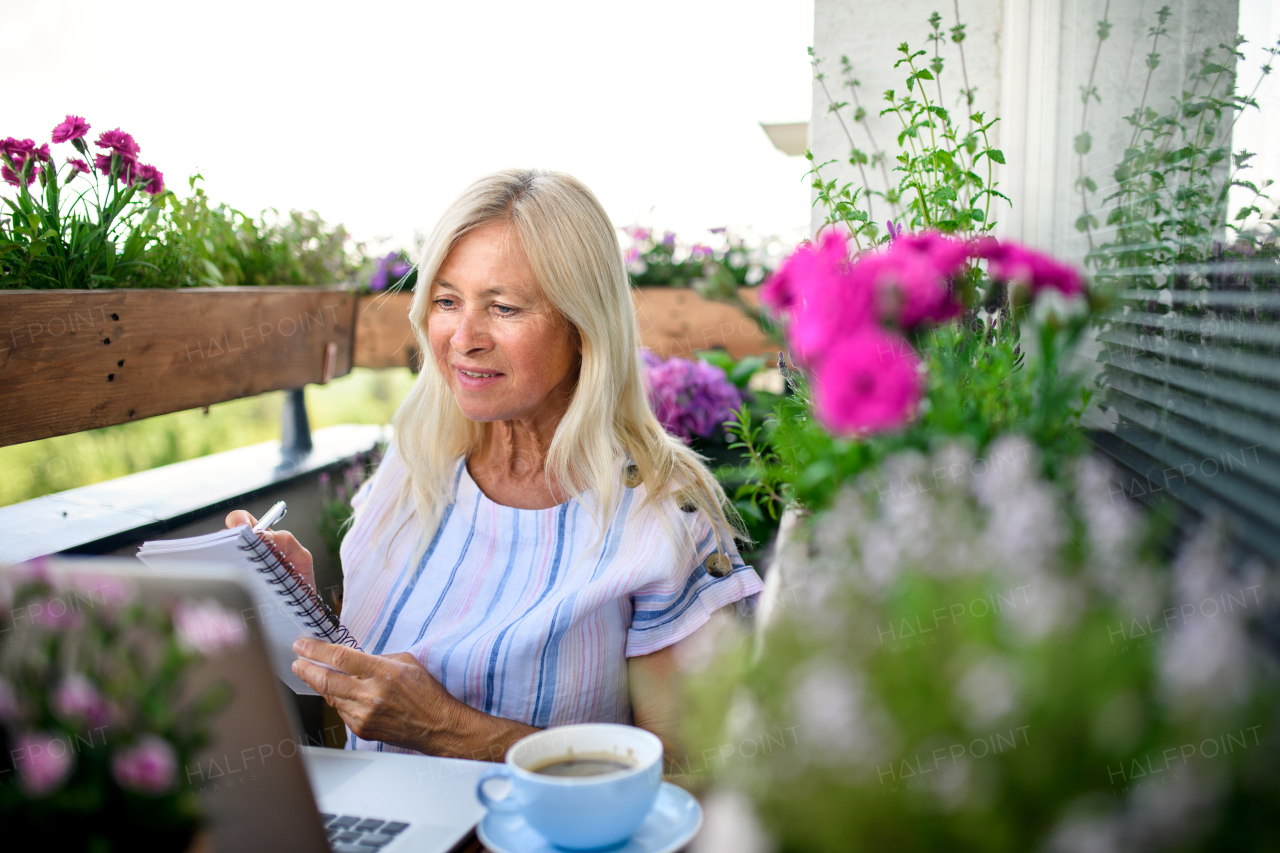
<point>315,613</point>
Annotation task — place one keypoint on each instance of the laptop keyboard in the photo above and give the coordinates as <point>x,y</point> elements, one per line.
<point>351,834</point>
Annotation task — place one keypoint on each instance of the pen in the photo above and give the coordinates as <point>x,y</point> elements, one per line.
<point>272,517</point>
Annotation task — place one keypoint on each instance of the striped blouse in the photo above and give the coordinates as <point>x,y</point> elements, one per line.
<point>509,610</point>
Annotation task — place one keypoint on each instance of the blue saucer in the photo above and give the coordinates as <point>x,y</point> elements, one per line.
<point>675,819</point>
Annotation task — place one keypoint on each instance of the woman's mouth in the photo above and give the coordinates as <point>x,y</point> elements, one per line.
<point>473,379</point>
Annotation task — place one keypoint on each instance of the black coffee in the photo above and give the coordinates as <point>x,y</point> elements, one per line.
<point>584,766</point>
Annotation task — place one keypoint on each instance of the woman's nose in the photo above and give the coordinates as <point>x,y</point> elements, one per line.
<point>471,334</point>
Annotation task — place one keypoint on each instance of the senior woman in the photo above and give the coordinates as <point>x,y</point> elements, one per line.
<point>534,545</point>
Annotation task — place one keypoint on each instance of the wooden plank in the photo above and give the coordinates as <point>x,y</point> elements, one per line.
<point>677,321</point>
<point>673,321</point>
<point>72,360</point>
<point>383,336</point>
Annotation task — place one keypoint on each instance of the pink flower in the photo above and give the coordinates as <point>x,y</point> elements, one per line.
<point>99,589</point>
<point>43,762</point>
<point>78,166</point>
<point>1010,262</point>
<point>76,699</point>
<point>151,178</point>
<point>42,153</point>
<point>814,289</point>
<point>869,382</point>
<point>119,142</point>
<point>912,277</point>
<point>54,614</point>
<point>208,627</point>
<point>700,251</point>
<point>150,766</point>
<point>71,127</point>
<point>17,150</point>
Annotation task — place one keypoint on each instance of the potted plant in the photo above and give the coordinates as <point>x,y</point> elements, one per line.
<point>97,716</point>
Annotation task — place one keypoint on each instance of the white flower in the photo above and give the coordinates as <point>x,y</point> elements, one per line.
<point>989,692</point>
<point>839,722</point>
<point>730,825</point>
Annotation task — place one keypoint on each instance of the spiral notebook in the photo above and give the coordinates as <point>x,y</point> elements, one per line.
<point>286,608</point>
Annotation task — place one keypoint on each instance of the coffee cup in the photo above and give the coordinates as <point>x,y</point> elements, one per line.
<point>581,786</point>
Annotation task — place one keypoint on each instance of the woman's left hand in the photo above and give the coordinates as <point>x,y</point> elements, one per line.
<point>391,698</point>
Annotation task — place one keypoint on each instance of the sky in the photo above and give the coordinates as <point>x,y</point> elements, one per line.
<point>377,114</point>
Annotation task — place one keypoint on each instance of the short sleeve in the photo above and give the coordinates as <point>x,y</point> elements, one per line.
<point>672,607</point>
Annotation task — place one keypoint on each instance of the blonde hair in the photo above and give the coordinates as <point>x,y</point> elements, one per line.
<point>575,255</point>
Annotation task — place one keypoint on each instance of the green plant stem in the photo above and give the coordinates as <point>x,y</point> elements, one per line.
<point>831,107</point>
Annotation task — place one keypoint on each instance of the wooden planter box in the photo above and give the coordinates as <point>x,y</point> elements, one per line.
<point>72,360</point>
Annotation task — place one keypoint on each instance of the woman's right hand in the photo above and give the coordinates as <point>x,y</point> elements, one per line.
<point>284,542</point>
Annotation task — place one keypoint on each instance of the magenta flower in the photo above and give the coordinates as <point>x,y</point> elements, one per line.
<point>912,278</point>
<point>869,382</point>
<point>77,166</point>
<point>689,397</point>
<point>125,167</point>
<point>42,153</point>
<point>43,762</point>
<point>17,150</point>
<point>78,700</point>
<point>700,251</point>
<point>894,230</point>
<point>150,177</point>
<point>1010,262</point>
<point>632,255</point>
<point>208,627</point>
<point>11,177</point>
<point>70,128</point>
<point>150,766</point>
<point>118,142</point>
<point>821,300</point>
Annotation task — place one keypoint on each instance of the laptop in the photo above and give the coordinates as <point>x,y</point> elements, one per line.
<point>264,788</point>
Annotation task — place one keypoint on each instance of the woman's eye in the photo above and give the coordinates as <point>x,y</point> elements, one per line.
<point>505,310</point>
<point>445,303</point>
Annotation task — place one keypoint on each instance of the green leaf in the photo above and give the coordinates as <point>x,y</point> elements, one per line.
<point>995,154</point>
<point>1084,142</point>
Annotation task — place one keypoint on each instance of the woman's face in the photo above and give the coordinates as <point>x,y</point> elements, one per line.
<point>505,351</point>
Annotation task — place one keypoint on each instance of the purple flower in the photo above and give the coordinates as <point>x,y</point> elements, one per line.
<point>669,239</point>
<point>719,230</point>
<point>119,142</point>
<point>636,233</point>
<point>894,231</point>
<point>42,153</point>
<point>150,766</point>
<point>208,627</point>
<point>71,127</point>
<point>77,166</point>
<point>43,762</point>
<point>76,700</point>
<point>700,251</point>
<point>150,177</point>
<point>391,269</point>
<point>689,397</point>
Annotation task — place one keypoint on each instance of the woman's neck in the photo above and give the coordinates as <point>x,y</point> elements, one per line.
<point>510,466</point>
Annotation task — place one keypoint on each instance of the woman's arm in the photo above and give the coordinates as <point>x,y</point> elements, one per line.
<point>392,698</point>
<point>654,681</point>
